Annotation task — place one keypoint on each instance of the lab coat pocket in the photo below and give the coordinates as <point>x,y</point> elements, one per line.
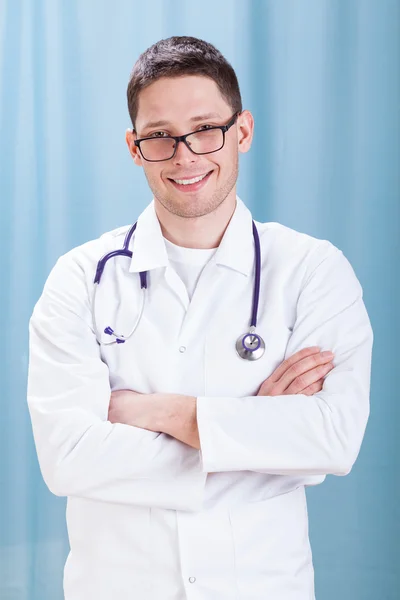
<point>272,551</point>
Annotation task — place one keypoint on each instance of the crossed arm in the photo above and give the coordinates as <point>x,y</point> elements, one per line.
<point>174,414</point>
<point>86,448</point>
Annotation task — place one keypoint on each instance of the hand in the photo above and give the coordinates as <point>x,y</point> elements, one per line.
<point>302,373</point>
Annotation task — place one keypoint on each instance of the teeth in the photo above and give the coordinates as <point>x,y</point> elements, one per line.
<point>189,181</point>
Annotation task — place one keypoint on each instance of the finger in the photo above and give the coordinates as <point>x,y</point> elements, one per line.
<point>277,374</point>
<point>303,381</point>
<point>305,365</point>
<point>313,388</point>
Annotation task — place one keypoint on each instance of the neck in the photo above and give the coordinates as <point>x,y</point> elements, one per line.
<point>197,232</point>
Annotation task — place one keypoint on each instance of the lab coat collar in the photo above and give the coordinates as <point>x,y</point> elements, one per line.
<point>148,247</point>
<point>235,251</point>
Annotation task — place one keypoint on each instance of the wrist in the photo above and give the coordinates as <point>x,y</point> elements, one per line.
<point>170,412</point>
<point>178,417</point>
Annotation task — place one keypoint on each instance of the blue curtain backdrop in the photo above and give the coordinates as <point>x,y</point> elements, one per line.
<point>322,79</point>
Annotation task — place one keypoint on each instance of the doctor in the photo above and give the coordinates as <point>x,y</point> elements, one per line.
<point>183,452</point>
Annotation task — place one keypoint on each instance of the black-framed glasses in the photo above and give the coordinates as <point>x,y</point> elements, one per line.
<point>203,141</point>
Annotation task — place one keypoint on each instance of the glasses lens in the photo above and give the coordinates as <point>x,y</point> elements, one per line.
<point>157,148</point>
<point>200,142</point>
<point>207,140</point>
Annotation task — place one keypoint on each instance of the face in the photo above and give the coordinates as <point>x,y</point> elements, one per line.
<point>178,106</point>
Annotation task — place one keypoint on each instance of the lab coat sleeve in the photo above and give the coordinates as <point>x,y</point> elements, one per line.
<point>299,434</point>
<point>80,452</point>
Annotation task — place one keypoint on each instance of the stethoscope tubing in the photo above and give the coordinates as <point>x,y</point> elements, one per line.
<point>243,350</point>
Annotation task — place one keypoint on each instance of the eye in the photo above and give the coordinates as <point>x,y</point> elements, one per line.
<point>207,126</point>
<point>158,134</point>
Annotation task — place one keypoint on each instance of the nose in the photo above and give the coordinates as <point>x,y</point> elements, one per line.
<point>183,155</point>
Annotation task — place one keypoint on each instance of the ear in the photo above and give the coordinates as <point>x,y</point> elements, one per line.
<point>130,137</point>
<point>245,128</point>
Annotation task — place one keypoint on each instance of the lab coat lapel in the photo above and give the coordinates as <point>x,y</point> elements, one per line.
<point>148,247</point>
<point>235,253</point>
<point>177,286</point>
<point>203,296</point>
<point>149,252</point>
<point>236,250</point>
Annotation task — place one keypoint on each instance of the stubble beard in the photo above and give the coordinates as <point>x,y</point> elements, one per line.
<point>191,209</point>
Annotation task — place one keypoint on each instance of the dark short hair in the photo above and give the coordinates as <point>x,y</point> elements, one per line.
<point>182,55</point>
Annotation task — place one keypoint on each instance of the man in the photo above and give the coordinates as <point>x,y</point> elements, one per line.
<point>184,452</point>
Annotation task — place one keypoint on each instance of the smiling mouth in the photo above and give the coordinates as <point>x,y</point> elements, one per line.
<point>187,181</point>
<point>191,185</point>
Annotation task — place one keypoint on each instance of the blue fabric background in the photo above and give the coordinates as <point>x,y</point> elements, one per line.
<point>322,78</point>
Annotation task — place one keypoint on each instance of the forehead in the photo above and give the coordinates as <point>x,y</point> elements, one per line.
<point>179,99</point>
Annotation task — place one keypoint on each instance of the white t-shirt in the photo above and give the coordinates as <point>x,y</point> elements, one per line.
<point>188,263</point>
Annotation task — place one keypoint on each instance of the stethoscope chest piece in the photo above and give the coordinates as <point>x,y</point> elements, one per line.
<point>250,346</point>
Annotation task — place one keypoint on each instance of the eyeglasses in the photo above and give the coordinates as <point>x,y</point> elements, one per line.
<point>203,141</point>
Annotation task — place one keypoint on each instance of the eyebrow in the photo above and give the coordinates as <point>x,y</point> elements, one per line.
<point>204,117</point>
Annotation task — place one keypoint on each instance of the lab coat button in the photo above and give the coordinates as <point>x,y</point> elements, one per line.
<point>192,579</point>
<point>182,349</point>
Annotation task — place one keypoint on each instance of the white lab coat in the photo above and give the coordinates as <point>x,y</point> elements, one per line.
<point>150,518</point>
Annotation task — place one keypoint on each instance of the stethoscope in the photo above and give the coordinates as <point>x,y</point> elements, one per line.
<point>249,346</point>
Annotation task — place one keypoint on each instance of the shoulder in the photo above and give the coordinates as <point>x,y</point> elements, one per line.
<point>70,281</point>
<point>300,256</point>
<point>75,270</point>
<point>293,246</point>
<point>87,255</point>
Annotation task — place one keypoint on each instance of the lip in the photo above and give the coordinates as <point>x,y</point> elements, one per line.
<point>184,177</point>
<point>192,187</point>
